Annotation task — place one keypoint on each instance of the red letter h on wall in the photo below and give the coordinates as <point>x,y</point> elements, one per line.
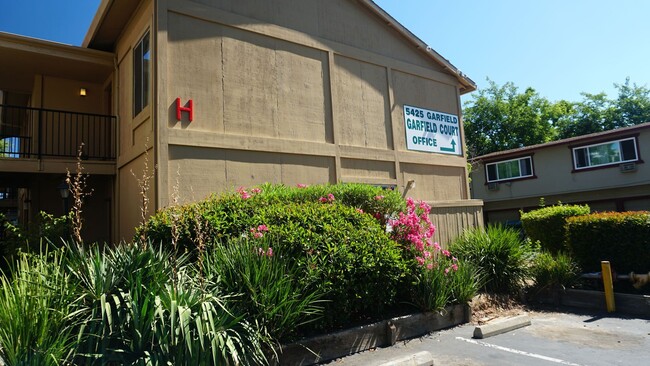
<point>180,109</point>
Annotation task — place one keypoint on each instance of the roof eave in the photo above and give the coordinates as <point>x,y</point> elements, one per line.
<point>98,19</point>
<point>467,84</point>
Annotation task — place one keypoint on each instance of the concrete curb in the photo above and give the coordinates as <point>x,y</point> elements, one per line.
<point>501,326</point>
<point>327,347</point>
<point>423,358</point>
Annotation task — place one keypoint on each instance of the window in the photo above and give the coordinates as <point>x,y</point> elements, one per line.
<point>141,74</point>
<point>510,169</point>
<point>607,153</point>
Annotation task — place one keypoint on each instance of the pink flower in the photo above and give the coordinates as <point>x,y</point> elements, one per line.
<point>454,267</point>
<point>300,185</point>
<point>427,254</point>
<point>322,199</point>
<point>430,266</point>
<point>256,190</point>
<point>258,235</point>
<point>454,259</point>
<point>269,252</point>
<point>330,197</point>
<point>446,253</point>
<point>379,198</point>
<point>262,228</point>
<point>378,215</point>
<point>359,210</point>
<point>420,260</point>
<point>446,270</point>
<point>436,246</point>
<point>242,192</point>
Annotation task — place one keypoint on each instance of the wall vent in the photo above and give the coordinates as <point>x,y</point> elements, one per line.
<point>493,186</point>
<point>627,167</point>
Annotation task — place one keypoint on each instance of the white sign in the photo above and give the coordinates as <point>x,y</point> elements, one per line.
<point>431,131</point>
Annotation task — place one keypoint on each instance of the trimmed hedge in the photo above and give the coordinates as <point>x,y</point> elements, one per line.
<point>623,238</point>
<point>228,215</point>
<point>547,224</point>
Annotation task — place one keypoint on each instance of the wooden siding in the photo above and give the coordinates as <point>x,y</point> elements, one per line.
<point>452,218</point>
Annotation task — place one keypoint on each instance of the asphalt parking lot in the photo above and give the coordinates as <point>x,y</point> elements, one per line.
<point>551,339</point>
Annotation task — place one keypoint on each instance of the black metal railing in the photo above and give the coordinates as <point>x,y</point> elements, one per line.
<point>37,133</point>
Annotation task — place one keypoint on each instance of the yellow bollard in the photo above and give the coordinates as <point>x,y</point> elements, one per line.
<point>609,286</point>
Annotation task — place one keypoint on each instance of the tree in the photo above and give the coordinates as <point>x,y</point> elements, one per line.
<point>500,118</point>
<point>632,106</point>
<point>590,115</point>
<point>596,113</point>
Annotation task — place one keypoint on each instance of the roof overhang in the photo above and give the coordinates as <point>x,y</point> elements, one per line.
<point>572,141</point>
<point>109,22</point>
<point>24,57</point>
<point>467,85</point>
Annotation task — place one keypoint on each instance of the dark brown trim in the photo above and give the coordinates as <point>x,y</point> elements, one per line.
<point>534,176</point>
<point>603,139</point>
<point>582,140</point>
<point>638,160</point>
<point>532,167</point>
<point>619,201</point>
<point>607,166</point>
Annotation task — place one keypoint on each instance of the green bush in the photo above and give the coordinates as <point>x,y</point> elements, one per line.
<point>46,230</point>
<point>228,215</point>
<point>622,238</point>
<point>343,253</point>
<point>271,292</point>
<point>549,271</point>
<point>498,253</point>
<point>547,225</point>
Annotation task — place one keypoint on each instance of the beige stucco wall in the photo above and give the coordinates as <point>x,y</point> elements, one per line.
<point>135,133</point>
<point>294,92</point>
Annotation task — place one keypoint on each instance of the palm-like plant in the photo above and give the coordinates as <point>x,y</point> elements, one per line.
<point>128,305</point>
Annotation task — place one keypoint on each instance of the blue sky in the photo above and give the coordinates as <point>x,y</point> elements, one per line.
<point>558,47</point>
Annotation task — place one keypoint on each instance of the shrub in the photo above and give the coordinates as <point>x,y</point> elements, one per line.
<point>271,292</point>
<point>622,238</point>
<point>498,253</point>
<point>47,229</point>
<point>229,214</point>
<point>547,225</point>
<point>549,271</point>
<point>341,252</point>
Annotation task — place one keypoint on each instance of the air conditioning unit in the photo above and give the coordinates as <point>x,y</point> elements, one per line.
<point>627,167</point>
<point>493,186</point>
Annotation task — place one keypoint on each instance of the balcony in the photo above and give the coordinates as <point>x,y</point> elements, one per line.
<point>35,133</point>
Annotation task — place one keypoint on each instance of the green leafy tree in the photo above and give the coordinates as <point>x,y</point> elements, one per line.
<point>590,115</point>
<point>632,106</point>
<point>502,118</point>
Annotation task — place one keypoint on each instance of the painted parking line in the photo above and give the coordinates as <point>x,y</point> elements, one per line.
<point>516,351</point>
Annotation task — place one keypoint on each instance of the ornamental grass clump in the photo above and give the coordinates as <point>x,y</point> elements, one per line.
<point>123,305</point>
<point>550,271</point>
<point>271,292</point>
<point>500,255</point>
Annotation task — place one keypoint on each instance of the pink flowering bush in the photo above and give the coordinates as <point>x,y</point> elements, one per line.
<point>414,230</point>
